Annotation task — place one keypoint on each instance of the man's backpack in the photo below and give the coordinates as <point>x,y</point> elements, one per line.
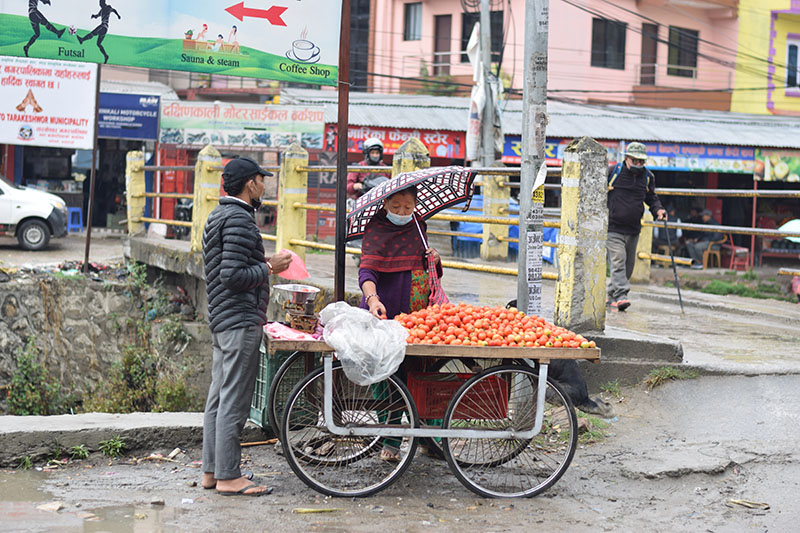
<point>618,169</point>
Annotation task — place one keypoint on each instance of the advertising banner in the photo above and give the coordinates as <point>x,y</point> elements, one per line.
<point>700,158</point>
<point>291,41</point>
<point>440,143</point>
<point>128,116</point>
<point>553,150</point>
<point>47,103</point>
<point>777,165</point>
<point>241,126</point>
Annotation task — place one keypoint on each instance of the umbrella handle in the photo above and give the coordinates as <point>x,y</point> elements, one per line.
<point>421,236</point>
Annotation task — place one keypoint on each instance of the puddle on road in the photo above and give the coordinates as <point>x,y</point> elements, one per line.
<point>21,493</point>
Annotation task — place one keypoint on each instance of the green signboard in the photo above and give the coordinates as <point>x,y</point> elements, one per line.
<point>295,41</point>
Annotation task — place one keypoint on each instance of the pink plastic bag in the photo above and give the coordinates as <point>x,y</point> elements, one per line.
<point>296,270</point>
<point>277,330</point>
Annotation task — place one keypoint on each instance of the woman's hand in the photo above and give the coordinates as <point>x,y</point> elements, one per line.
<point>376,308</point>
<point>434,254</point>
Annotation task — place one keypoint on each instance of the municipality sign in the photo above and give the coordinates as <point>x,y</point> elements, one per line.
<point>297,41</point>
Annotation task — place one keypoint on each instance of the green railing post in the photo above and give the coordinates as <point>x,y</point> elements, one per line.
<point>292,187</point>
<point>134,190</point>
<point>581,285</point>
<point>207,179</point>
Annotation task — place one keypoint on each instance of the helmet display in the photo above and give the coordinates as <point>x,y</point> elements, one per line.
<point>371,144</point>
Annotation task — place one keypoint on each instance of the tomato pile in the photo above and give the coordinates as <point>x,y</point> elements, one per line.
<point>470,325</point>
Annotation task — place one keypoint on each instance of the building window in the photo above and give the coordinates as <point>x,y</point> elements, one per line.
<point>412,27</point>
<point>792,52</point>
<point>608,44</point>
<point>468,20</point>
<point>682,52</point>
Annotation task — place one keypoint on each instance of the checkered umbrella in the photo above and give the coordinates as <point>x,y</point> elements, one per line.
<point>437,188</point>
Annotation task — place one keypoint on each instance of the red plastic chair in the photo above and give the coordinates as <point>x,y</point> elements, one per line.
<point>740,255</point>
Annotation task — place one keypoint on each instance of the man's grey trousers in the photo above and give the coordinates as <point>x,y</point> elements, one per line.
<point>233,378</point>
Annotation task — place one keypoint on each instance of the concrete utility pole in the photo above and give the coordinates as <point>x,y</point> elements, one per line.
<point>534,121</point>
<point>487,125</point>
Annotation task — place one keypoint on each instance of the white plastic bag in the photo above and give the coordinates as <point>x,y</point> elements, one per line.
<point>370,349</point>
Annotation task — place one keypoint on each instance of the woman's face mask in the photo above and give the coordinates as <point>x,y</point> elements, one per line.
<point>399,209</point>
<point>398,220</point>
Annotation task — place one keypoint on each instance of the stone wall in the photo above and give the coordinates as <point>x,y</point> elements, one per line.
<point>80,328</point>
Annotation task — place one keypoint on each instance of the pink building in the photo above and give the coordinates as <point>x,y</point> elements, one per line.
<point>622,51</point>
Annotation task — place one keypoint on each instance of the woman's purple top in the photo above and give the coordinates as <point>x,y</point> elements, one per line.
<point>394,290</point>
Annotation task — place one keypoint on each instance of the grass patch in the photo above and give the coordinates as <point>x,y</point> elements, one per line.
<point>112,447</point>
<point>613,388</point>
<point>595,429</point>
<point>33,391</point>
<point>659,376</point>
<point>79,451</point>
<point>750,275</point>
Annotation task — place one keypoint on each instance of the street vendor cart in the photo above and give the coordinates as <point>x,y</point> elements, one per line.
<point>507,431</point>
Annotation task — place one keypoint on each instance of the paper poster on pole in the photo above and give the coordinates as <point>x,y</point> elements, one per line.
<point>241,126</point>
<point>47,103</point>
<point>291,41</point>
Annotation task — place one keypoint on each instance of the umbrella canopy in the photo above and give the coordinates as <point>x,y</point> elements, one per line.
<point>437,188</point>
<point>793,226</point>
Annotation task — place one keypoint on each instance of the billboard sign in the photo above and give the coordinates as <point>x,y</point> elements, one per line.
<point>777,165</point>
<point>128,116</point>
<point>553,150</point>
<point>240,126</point>
<point>700,158</point>
<point>47,103</point>
<point>440,143</point>
<point>292,41</point>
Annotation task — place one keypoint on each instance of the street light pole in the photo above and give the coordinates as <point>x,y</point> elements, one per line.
<point>534,121</point>
<point>487,123</point>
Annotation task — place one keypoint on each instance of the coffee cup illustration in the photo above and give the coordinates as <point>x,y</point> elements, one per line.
<point>304,50</point>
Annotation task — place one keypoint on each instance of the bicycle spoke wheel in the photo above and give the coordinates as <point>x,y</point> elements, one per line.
<point>290,373</point>
<point>504,398</point>
<point>344,465</point>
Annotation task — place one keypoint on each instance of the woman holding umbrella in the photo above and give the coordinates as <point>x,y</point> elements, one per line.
<point>393,276</point>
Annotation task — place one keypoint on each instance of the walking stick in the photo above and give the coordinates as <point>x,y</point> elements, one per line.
<point>674,269</point>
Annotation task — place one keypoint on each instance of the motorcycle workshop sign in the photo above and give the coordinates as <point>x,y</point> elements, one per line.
<point>292,41</point>
<point>47,103</point>
<point>128,116</point>
<point>240,126</point>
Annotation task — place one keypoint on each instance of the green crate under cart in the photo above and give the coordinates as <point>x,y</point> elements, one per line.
<point>268,366</point>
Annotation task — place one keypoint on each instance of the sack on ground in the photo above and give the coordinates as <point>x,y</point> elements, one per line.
<point>370,349</point>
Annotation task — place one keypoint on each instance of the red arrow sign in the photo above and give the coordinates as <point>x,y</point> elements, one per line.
<point>273,14</point>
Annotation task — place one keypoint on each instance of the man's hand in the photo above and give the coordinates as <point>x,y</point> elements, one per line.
<point>661,214</point>
<point>280,262</point>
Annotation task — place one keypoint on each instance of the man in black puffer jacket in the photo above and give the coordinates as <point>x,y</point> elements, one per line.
<point>630,186</point>
<point>237,285</point>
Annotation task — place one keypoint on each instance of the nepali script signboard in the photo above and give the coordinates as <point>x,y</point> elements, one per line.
<point>240,126</point>
<point>292,41</point>
<point>47,103</point>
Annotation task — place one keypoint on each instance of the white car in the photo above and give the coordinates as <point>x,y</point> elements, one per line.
<point>31,216</point>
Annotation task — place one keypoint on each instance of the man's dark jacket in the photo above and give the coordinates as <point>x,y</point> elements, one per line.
<point>237,277</point>
<point>627,198</point>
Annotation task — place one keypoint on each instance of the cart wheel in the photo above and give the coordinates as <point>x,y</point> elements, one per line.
<point>289,374</point>
<point>346,466</point>
<point>504,398</point>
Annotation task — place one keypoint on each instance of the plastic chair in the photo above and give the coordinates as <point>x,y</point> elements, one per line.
<point>74,220</point>
<point>740,255</point>
<point>713,253</point>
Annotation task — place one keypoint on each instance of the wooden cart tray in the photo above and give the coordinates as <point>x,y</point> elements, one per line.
<point>447,350</point>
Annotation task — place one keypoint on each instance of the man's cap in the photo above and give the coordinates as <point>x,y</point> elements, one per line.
<point>706,212</point>
<point>242,168</point>
<point>636,151</point>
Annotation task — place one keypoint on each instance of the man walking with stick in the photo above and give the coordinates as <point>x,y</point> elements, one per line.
<point>630,186</point>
